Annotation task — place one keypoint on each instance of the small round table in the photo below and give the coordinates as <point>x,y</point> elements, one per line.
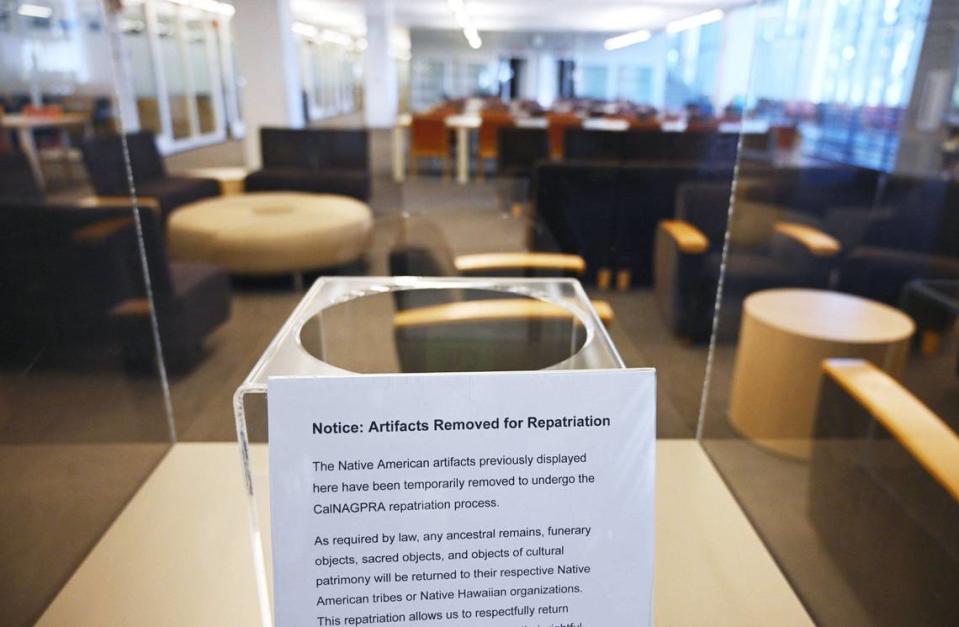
<point>231,178</point>
<point>785,336</point>
<point>271,232</point>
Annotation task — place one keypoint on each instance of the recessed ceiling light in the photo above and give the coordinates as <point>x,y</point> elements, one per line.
<point>35,10</point>
<point>701,19</point>
<point>629,39</point>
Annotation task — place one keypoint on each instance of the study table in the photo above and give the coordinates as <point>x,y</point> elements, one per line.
<point>462,124</point>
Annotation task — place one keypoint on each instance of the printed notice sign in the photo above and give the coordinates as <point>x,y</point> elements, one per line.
<point>502,499</point>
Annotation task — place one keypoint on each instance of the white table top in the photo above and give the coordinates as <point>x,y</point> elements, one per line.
<point>222,172</point>
<point>532,122</point>
<point>831,316</point>
<point>180,552</point>
<point>18,120</point>
<point>604,124</point>
<point>465,120</point>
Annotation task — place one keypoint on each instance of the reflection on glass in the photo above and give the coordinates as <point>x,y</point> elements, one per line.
<point>133,26</point>
<point>198,55</point>
<point>443,330</point>
<point>173,69</point>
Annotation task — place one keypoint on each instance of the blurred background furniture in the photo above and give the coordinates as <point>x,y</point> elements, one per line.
<point>321,161</point>
<point>559,123</point>
<point>266,233</point>
<point>429,139</point>
<point>786,334</point>
<point>574,208</point>
<point>489,134</point>
<point>231,178</point>
<point>764,252</point>
<point>17,182</point>
<point>190,299</point>
<point>464,330</point>
<point>75,274</point>
<point>520,150</point>
<point>34,119</point>
<point>884,492</point>
<point>105,158</point>
<point>934,306</point>
<point>915,236</point>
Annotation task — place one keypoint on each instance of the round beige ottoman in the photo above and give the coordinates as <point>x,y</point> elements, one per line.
<point>271,232</point>
<point>785,336</point>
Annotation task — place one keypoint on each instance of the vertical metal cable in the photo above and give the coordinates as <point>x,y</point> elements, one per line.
<point>717,303</point>
<point>116,52</point>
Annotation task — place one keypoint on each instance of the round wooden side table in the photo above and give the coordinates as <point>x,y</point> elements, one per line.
<point>785,336</point>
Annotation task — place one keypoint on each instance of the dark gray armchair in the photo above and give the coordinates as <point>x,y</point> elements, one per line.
<point>321,161</point>
<point>764,252</point>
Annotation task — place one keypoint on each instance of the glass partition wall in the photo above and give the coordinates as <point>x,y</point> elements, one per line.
<point>831,401</point>
<point>758,203</point>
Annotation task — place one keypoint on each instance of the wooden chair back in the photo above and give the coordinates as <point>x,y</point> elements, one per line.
<point>429,136</point>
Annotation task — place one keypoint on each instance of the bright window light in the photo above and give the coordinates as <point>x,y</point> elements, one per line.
<point>307,30</point>
<point>35,10</point>
<point>629,39</point>
<point>701,19</point>
<point>335,37</point>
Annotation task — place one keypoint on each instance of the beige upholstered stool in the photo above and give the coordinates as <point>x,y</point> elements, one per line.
<point>271,232</point>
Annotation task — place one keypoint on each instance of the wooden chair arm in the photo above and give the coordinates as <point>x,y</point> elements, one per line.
<point>688,238</point>
<point>100,231</point>
<point>816,242</point>
<point>520,261</point>
<point>921,432</point>
<point>490,310</point>
<point>131,308</point>
<point>118,202</point>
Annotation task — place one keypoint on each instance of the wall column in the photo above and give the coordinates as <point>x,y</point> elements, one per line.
<point>271,94</point>
<point>922,130</point>
<point>379,68</point>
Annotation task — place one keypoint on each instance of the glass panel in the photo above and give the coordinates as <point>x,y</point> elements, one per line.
<point>831,407</point>
<point>83,418</point>
<point>137,44</point>
<point>198,49</point>
<point>174,71</point>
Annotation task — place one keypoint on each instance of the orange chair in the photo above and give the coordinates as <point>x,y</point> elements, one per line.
<point>429,137</point>
<point>649,125</point>
<point>492,122</point>
<point>558,123</point>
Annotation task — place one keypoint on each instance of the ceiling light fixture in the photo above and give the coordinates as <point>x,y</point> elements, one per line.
<point>629,39</point>
<point>701,19</point>
<point>35,10</point>
<point>463,19</point>
<point>211,6</point>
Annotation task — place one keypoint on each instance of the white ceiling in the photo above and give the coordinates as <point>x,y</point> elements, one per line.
<point>607,16</point>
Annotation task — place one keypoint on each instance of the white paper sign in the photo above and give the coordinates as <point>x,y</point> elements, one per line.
<point>506,499</point>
